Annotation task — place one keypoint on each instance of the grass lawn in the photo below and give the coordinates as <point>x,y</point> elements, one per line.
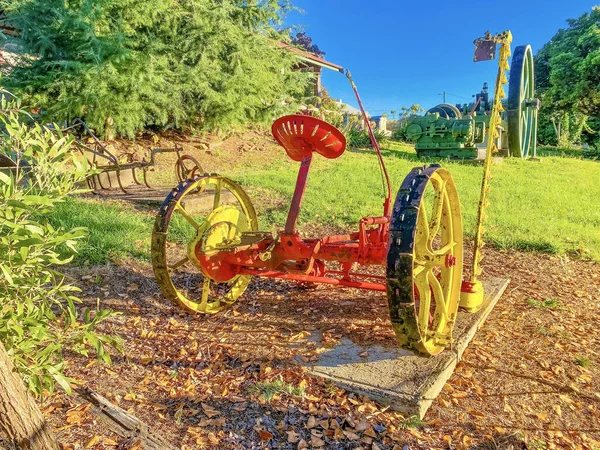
<point>552,205</point>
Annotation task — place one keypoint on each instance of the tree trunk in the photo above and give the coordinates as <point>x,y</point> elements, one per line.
<point>20,418</point>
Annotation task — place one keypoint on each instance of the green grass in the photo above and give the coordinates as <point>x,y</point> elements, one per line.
<point>552,205</point>
<point>115,230</point>
<point>267,390</point>
<point>582,361</point>
<point>411,422</point>
<point>548,303</point>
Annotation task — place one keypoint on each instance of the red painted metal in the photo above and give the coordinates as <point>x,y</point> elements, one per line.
<point>289,256</point>
<point>312,279</point>
<point>292,219</point>
<point>467,286</point>
<point>300,136</point>
<point>387,203</point>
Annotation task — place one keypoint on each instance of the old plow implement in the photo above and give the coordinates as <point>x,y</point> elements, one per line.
<point>114,173</point>
<point>109,172</point>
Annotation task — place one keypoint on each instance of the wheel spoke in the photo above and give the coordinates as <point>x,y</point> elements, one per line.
<point>217,199</point>
<point>179,263</point>
<point>436,216</point>
<point>186,216</point>
<point>424,301</point>
<point>422,234</point>
<point>205,293</point>
<point>441,307</point>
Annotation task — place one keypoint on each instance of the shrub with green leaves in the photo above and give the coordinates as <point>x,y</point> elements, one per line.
<point>38,317</point>
<point>124,65</point>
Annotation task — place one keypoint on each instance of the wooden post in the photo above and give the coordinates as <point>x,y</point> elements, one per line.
<point>20,418</point>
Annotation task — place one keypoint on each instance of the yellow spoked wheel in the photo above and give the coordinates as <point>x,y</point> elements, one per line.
<point>425,259</point>
<point>203,216</point>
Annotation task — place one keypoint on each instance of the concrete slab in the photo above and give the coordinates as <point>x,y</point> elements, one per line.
<point>396,377</point>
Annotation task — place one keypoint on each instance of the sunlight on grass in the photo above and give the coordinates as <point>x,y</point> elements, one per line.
<point>552,205</point>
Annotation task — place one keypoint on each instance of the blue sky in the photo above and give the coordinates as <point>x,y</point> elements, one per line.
<point>405,52</point>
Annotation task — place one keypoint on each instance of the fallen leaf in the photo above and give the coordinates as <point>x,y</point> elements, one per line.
<point>220,422</point>
<point>265,435</point>
<point>302,445</point>
<point>351,435</point>
<point>292,437</point>
<point>316,441</point>
<point>209,410</point>
<point>212,438</point>
<point>311,423</point>
<point>93,441</point>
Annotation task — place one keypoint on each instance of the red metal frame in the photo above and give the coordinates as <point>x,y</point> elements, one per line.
<point>289,256</point>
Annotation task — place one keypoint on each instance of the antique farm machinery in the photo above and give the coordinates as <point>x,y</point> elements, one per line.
<point>455,131</point>
<point>112,173</point>
<point>108,172</point>
<point>204,258</point>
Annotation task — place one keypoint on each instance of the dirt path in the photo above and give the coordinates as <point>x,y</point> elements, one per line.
<point>529,380</point>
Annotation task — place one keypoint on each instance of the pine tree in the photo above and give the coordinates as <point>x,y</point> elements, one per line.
<point>127,64</point>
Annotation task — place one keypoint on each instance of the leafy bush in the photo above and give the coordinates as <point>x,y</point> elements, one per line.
<point>124,65</point>
<point>359,138</point>
<point>38,317</point>
<point>592,152</point>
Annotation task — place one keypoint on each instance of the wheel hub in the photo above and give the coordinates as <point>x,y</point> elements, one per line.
<point>220,233</point>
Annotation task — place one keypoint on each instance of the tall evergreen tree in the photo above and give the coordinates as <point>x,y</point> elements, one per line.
<point>127,64</point>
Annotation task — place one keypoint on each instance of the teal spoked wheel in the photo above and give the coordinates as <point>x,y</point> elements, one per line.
<point>522,111</point>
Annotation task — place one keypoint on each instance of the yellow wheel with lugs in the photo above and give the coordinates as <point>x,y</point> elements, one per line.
<point>425,260</point>
<point>201,216</point>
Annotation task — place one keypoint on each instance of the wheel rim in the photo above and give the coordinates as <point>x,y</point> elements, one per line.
<point>425,261</point>
<point>223,205</point>
<point>186,167</point>
<point>522,112</point>
<point>446,111</point>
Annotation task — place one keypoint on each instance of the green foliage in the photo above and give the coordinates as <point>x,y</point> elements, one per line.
<point>568,81</point>
<point>582,361</point>
<point>359,138</point>
<point>268,389</point>
<point>123,65</point>
<point>38,317</point>
<point>549,303</point>
<point>562,218</point>
<point>411,422</point>
<point>330,111</point>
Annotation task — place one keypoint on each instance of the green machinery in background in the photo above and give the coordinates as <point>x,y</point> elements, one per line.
<point>455,131</point>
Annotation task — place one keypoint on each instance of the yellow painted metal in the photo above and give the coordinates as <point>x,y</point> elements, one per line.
<point>473,301</point>
<point>221,227</point>
<point>437,263</point>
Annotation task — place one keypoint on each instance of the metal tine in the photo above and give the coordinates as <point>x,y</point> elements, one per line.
<point>295,128</point>
<point>120,182</point>
<point>302,127</point>
<point>315,129</point>
<point>135,179</point>
<point>145,170</point>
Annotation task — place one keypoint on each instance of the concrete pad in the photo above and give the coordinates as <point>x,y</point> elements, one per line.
<point>399,378</point>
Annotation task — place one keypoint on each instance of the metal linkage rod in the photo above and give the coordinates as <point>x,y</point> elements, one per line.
<point>386,179</point>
